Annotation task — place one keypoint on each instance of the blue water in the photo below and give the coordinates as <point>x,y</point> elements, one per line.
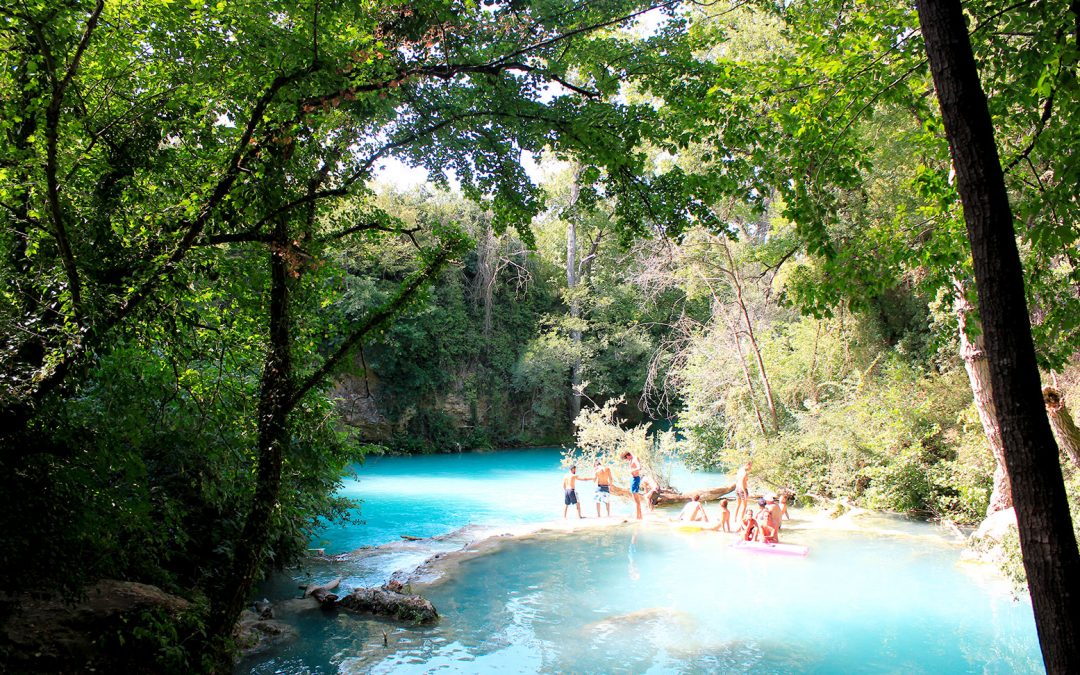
<point>431,495</point>
<point>875,595</point>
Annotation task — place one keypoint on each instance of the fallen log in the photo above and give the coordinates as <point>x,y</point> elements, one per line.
<point>667,497</point>
<point>328,586</point>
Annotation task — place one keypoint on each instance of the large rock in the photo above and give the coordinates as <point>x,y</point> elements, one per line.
<point>58,635</point>
<point>985,542</point>
<point>255,634</point>
<point>385,602</point>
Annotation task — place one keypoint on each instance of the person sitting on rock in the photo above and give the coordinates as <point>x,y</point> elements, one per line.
<point>693,511</point>
<point>749,526</point>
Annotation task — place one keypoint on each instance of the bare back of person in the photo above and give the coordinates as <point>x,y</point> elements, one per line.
<point>742,490</point>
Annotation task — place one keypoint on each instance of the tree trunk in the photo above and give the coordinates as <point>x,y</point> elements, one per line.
<point>973,352</point>
<point>575,303</point>
<point>275,394</point>
<point>1061,422</point>
<point>736,282</point>
<point>746,376</point>
<point>1051,559</point>
<point>667,497</point>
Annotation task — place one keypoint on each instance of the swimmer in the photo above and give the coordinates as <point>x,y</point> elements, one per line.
<point>742,491</point>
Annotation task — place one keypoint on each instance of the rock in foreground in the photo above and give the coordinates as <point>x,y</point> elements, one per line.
<point>386,602</point>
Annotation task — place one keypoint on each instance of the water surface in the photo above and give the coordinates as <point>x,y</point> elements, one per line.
<point>875,595</point>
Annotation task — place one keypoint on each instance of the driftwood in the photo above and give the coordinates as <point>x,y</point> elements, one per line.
<point>322,593</point>
<point>666,497</point>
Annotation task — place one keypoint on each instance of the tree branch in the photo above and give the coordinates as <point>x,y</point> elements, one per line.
<point>1048,108</point>
<point>374,319</point>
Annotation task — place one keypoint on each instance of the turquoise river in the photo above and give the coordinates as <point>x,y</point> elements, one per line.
<point>876,594</point>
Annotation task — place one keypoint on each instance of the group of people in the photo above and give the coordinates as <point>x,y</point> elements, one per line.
<point>762,526</point>
<point>641,487</point>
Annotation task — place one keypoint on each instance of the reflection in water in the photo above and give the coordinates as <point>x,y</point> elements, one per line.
<point>633,570</point>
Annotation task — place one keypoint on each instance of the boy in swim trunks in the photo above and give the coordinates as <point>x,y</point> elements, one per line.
<point>742,492</point>
<point>635,481</point>
<point>569,483</point>
<point>602,476</point>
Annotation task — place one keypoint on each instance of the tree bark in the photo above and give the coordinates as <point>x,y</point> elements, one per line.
<point>736,282</point>
<point>665,497</point>
<point>575,304</point>
<point>1050,555</point>
<point>273,437</point>
<point>973,353</point>
<point>1065,429</point>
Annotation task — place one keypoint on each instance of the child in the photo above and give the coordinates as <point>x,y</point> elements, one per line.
<point>783,507</point>
<point>750,526</point>
<point>725,516</point>
<point>768,533</point>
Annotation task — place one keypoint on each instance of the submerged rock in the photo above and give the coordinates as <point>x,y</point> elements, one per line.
<point>255,634</point>
<point>385,602</point>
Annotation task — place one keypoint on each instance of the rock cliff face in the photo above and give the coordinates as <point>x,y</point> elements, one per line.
<point>364,405</point>
<point>358,406</point>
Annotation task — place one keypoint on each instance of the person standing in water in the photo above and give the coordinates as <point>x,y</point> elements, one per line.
<point>635,480</point>
<point>569,483</point>
<point>603,477</point>
<point>742,491</point>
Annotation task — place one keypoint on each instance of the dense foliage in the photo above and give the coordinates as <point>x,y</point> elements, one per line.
<point>747,225</point>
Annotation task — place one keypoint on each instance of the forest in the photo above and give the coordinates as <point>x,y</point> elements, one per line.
<point>839,237</point>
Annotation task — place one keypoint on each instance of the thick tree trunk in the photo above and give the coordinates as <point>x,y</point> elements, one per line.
<point>1065,430</point>
<point>1051,559</point>
<point>973,352</point>
<point>273,437</point>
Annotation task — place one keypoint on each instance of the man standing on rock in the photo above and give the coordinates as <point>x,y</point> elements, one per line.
<point>569,483</point>
<point>742,492</point>
<point>635,480</point>
<point>603,478</point>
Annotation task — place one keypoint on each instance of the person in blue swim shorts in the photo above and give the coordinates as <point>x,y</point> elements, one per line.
<point>635,481</point>
<point>569,484</point>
